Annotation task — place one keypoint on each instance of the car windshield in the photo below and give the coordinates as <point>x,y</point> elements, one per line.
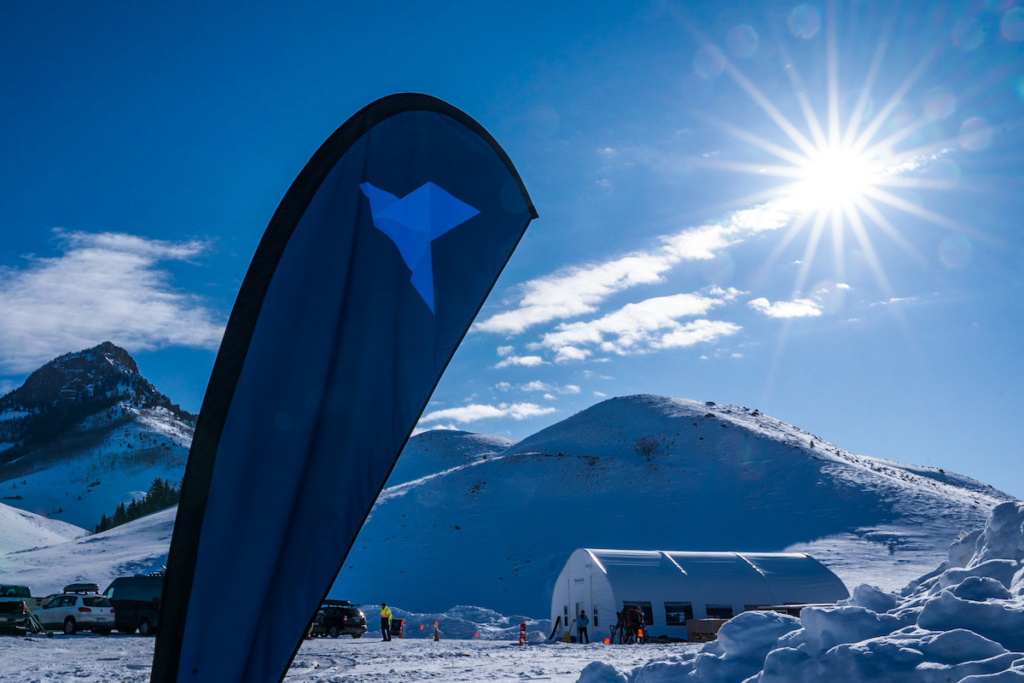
<point>14,592</point>
<point>96,602</point>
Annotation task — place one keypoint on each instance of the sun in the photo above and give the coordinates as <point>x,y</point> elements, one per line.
<point>841,169</point>
<point>835,177</point>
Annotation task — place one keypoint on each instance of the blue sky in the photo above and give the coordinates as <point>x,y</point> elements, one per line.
<point>712,226</point>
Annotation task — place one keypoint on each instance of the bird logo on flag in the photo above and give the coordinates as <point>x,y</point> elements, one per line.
<point>413,222</point>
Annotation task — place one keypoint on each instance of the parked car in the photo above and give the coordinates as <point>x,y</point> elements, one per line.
<point>79,608</point>
<point>14,613</point>
<point>339,618</point>
<point>136,601</point>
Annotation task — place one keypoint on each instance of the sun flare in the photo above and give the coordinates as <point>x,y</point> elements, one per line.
<point>835,177</point>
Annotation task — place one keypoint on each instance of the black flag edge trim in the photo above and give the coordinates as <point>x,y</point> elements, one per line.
<point>195,487</point>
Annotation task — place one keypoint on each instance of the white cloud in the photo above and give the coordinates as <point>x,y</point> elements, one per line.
<point>737,355</point>
<point>524,361</point>
<point>505,350</point>
<point>566,354</point>
<point>842,285</point>
<point>106,286</point>
<point>797,308</point>
<point>537,385</point>
<point>696,332</point>
<point>502,386</point>
<point>580,290</point>
<point>600,394</point>
<point>639,327</point>
<point>897,300</point>
<point>476,411</point>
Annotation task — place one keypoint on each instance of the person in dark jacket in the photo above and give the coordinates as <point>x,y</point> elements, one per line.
<point>581,628</point>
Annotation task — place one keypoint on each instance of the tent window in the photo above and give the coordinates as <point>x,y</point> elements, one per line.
<point>565,611</point>
<point>595,616</point>
<point>719,611</point>
<point>676,613</point>
<point>645,607</point>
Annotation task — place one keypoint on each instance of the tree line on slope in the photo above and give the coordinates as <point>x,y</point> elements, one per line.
<point>161,495</point>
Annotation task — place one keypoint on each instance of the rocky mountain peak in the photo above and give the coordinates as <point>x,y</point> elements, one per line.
<point>100,372</point>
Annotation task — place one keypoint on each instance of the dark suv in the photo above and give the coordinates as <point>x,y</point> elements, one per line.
<point>136,601</point>
<point>339,618</point>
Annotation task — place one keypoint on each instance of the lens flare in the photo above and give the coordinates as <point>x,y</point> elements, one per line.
<point>975,134</point>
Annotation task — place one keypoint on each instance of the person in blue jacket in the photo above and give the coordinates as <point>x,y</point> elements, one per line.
<point>581,628</point>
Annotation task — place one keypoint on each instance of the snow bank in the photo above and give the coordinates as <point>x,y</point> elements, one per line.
<point>963,622</point>
<point>461,622</point>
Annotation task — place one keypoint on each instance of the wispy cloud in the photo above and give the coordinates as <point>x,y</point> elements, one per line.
<point>550,388</point>
<point>580,290</point>
<point>106,286</point>
<point>477,411</point>
<point>797,308</point>
<point>643,326</point>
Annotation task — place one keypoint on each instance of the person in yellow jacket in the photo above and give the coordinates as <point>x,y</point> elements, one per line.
<point>385,621</point>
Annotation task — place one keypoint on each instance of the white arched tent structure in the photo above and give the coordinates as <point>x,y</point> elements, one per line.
<point>671,587</point>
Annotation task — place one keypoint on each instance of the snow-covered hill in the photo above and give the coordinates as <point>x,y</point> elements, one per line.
<point>468,519</point>
<point>439,450</point>
<point>86,432</point>
<point>132,548</point>
<point>495,532</point>
<point>21,530</point>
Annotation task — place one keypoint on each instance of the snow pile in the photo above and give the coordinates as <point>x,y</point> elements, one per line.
<point>462,623</point>
<point>963,622</point>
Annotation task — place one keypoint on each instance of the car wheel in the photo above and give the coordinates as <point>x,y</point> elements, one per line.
<point>144,628</point>
<point>69,626</point>
<point>126,630</point>
<point>357,635</point>
<point>334,632</point>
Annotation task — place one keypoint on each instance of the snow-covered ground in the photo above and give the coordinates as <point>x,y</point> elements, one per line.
<point>127,659</point>
<point>962,622</point>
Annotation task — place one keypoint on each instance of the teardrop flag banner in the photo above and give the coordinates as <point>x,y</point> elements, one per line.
<point>365,282</point>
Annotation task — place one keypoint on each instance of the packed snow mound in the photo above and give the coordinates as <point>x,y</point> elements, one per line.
<point>462,622</point>
<point>646,472</point>
<point>21,530</point>
<point>963,622</point>
<point>133,548</point>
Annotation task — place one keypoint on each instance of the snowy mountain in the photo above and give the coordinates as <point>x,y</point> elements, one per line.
<point>468,519</point>
<point>647,472</point>
<point>86,432</point>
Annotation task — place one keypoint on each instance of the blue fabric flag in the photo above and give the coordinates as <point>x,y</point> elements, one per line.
<point>369,275</point>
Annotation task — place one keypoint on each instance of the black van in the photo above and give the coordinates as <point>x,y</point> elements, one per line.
<point>136,601</point>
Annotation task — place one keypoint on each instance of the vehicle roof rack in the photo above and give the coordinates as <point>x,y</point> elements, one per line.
<point>337,603</point>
